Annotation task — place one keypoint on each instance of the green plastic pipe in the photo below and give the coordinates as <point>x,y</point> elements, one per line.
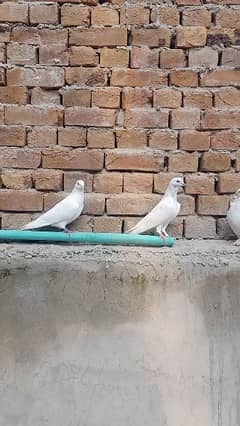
<point>86,238</point>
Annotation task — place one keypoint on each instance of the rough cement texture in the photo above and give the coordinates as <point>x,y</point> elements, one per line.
<point>113,336</point>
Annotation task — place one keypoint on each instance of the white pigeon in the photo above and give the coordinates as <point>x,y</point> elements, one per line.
<point>163,213</point>
<point>64,212</point>
<point>233,215</point>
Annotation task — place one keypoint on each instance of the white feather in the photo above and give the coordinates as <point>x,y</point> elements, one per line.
<point>233,216</point>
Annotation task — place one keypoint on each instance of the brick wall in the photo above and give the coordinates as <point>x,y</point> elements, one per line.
<point>125,95</point>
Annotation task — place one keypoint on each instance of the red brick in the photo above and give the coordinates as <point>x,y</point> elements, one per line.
<point>172,58</point>
<point>141,161</point>
<point>74,159</point>
<point>138,183</point>
<point>20,201</point>
<point>197,17</point>
<point>198,98</point>
<point>131,138</point>
<point>72,136</point>
<point>227,97</point>
<point>12,136</point>
<point>42,136</point>
<point>220,119</point>
<point>83,55</point>
<point>43,13</point>
<point>16,179</point>
<point>199,184</point>
<point>81,116</point>
<point>136,97</point>
<point>228,182</point>
<point>192,140</point>
<point>37,36</point>
<point>169,16</point>
<point>237,164</point>
<point>180,162</point>
<point>226,139</point>
<point>108,183</point>
<point>32,115</point>
<point>229,18</point>
<point>148,118</point>
<point>204,57</point>
<point>141,78</point>
<point>187,204</point>
<point>51,180</point>
<point>4,33</point>
<point>184,118</point>
<point>83,223</point>
<point>74,15</point>
<point>14,221</point>
<point>152,37</point>
<point>44,97</point>
<point>87,76</point>
<point>98,37</point>
<point>13,12</point>
<point>186,78</point>
<point>107,97</point>
<point>167,98</point>
<point>135,15</point>
<point>76,97</point>
<point>104,16</point>
<point>100,138</point>
<point>188,2</point>
<point>56,54</point>
<point>94,204</point>
<point>161,181</point>
<point>231,57</point>
<point>107,224</point>
<point>191,36</point>
<point>215,162</point>
<point>200,227</point>
<point>143,57</point>
<point>70,179</point>
<point>44,77</point>
<point>116,57</point>
<point>21,54</point>
<point>163,139</point>
<point>19,158</point>
<point>220,36</point>
<point>216,205</point>
<point>221,77</point>
<point>131,204</point>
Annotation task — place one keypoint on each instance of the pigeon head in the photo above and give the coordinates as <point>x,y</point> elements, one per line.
<point>79,186</point>
<point>177,183</point>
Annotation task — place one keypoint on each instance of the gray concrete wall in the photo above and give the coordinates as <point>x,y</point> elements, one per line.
<point>93,336</point>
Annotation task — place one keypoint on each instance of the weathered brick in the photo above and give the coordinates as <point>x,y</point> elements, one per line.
<point>148,118</point>
<point>169,16</point>
<point>215,162</point>
<point>187,203</point>
<point>2,77</point>
<point>4,33</point>
<point>44,97</point>
<point>74,159</point>
<point>163,139</point>
<point>184,118</point>
<point>216,205</point>
<point>20,201</point>
<point>131,204</point>
<point>43,77</point>
<point>228,182</point>
<point>138,183</point>
<point>107,224</point>
<point>83,55</point>
<point>37,36</point>
<point>199,184</point>
<point>231,57</point>
<point>131,138</point>
<point>152,37</point>
<point>226,139</point>
<point>223,229</point>
<point>104,16</point>
<point>16,179</point>
<point>100,138</point>
<point>98,37</point>
<point>74,14</point>
<point>32,115</point>
<point>76,97</point>
<point>94,204</point>
<point>19,158</point>
<point>172,58</point>
<point>141,78</point>
<point>227,97</point>
<point>202,99</point>
<point>87,76</point>
<point>83,223</point>
<point>108,183</point>
<point>107,97</point>
<point>14,221</point>
<point>136,97</point>
<point>222,37</point>
<point>43,13</point>
<point>1,115</point>
<point>229,18</point>
<point>167,98</point>
<point>135,15</point>
<point>220,119</point>
<point>143,57</point>
<point>237,164</point>
<point>162,180</point>
<point>2,52</point>
<point>197,17</point>
<point>192,140</point>
<point>51,180</point>
<point>56,54</point>
<point>191,36</point>
<point>12,136</point>
<point>72,136</point>
<point>141,161</point>
<point>220,77</point>
<point>99,117</point>
<point>181,162</point>
<point>200,227</point>
<point>116,57</point>
<point>21,54</point>
<point>204,57</point>
<point>70,179</point>
<point>188,78</point>
<point>42,136</point>
<point>13,12</point>
<point>188,2</point>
